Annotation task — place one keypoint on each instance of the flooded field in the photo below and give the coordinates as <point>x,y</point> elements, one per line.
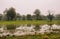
<point>28,29</point>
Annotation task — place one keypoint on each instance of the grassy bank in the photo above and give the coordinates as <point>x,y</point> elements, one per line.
<point>30,22</point>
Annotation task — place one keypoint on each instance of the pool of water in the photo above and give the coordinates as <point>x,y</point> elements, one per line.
<point>28,29</point>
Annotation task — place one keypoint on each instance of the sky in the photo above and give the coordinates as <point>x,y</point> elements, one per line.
<point>29,6</point>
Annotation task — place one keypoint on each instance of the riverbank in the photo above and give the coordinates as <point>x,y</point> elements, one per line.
<point>30,22</point>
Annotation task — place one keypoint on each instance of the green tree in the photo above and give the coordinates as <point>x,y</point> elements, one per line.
<point>1,16</point>
<point>23,17</point>
<point>11,14</point>
<point>18,16</point>
<point>37,14</point>
<point>33,17</point>
<point>57,17</point>
<point>29,17</point>
<point>44,17</point>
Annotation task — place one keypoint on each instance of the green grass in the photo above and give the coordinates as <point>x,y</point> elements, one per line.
<point>30,22</point>
<point>45,36</point>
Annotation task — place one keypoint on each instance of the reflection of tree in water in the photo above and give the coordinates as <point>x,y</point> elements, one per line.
<point>37,28</point>
<point>28,25</point>
<point>50,26</point>
<point>11,28</point>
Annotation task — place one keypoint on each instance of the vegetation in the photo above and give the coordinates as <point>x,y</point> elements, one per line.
<point>50,17</point>
<point>11,18</point>
<point>11,27</point>
<point>10,14</point>
<point>45,36</point>
<point>37,14</point>
<point>29,22</point>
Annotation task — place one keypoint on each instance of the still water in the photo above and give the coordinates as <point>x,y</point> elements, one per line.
<point>26,29</point>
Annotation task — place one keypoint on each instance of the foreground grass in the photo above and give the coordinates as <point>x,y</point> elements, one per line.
<point>30,22</point>
<point>45,36</point>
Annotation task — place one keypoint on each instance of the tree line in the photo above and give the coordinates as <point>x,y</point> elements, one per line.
<point>11,14</point>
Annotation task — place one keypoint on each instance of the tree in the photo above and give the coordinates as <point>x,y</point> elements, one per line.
<point>50,17</point>
<point>29,17</point>
<point>57,17</point>
<point>33,17</point>
<point>11,14</point>
<point>23,17</point>
<point>44,17</point>
<point>37,14</point>
<point>1,16</point>
<point>37,11</point>
<point>4,14</point>
<point>18,16</point>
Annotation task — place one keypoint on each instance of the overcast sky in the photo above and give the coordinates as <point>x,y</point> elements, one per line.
<point>29,6</point>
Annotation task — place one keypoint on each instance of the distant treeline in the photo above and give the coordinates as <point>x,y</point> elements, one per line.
<point>11,14</point>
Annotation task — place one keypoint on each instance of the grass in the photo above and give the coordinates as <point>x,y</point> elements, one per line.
<point>30,22</point>
<point>45,36</point>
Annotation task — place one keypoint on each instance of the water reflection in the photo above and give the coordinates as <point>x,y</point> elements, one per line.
<point>28,29</point>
